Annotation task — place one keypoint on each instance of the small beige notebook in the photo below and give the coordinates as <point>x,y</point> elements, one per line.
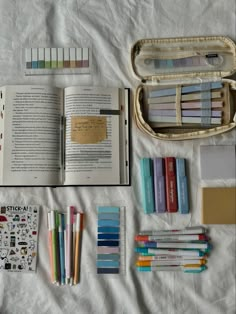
<point>219,206</point>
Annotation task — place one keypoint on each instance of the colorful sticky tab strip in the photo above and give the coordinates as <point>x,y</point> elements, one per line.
<point>108,240</point>
<point>57,60</point>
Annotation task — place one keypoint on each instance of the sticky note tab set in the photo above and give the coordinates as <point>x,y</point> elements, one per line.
<point>191,104</point>
<point>18,237</point>
<point>42,61</point>
<point>108,240</point>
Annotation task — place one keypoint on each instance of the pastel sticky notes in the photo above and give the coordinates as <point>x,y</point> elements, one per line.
<point>108,240</point>
<point>57,60</point>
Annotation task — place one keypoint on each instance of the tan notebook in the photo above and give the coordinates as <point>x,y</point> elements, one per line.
<point>219,206</point>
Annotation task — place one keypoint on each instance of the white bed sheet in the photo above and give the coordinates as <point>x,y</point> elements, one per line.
<point>112,27</point>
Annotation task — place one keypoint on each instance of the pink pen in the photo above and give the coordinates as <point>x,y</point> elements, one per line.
<point>69,224</point>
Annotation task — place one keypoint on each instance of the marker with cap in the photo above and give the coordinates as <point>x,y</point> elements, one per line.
<point>176,238</point>
<point>144,250</point>
<point>184,245</point>
<point>168,257</point>
<point>171,262</point>
<point>189,230</point>
<point>185,269</point>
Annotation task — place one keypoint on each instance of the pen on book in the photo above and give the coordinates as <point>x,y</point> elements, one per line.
<point>70,212</point>
<point>173,237</point>
<point>62,248</point>
<point>144,251</point>
<point>50,248</point>
<point>79,228</point>
<point>171,262</point>
<point>186,268</point>
<point>170,245</point>
<point>189,230</point>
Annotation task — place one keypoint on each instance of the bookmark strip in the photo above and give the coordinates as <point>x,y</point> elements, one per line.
<point>206,104</point>
<point>178,105</point>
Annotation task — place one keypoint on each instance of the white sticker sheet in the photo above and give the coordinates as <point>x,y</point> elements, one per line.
<point>18,237</point>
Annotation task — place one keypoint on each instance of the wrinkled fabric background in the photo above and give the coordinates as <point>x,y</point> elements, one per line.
<point>111,27</point>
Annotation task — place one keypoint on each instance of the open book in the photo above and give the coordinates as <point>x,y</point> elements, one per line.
<point>70,136</point>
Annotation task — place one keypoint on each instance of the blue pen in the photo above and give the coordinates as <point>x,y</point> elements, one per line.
<point>182,252</point>
<point>182,186</point>
<point>147,185</point>
<point>185,269</point>
<point>62,248</point>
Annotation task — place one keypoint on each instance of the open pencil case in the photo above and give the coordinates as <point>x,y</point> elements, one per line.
<point>184,94</point>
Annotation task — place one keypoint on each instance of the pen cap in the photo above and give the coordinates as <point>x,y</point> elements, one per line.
<point>77,227</point>
<point>158,166</point>
<point>146,165</point>
<point>170,166</point>
<point>180,167</point>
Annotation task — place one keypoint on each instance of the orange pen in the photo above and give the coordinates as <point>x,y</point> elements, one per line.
<point>182,262</point>
<point>78,237</point>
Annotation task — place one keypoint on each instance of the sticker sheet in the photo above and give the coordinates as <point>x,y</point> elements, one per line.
<point>18,237</point>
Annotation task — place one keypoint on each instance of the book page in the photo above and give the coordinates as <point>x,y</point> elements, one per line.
<point>32,135</point>
<point>92,136</point>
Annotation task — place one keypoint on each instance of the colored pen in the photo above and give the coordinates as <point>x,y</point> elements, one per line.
<point>62,248</point>
<point>170,245</point>
<point>50,248</point>
<point>54,246</point>
<point>168,263</point>
<point>182,186</point>
<point>191,237</point>
<point>143,250</point>
<point>78,229</point>
<point>189,230</point>
<point>168,257</point>
<point>186,269</point>
<point>69,223</point>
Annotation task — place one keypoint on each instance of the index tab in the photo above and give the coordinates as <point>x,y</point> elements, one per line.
<point>88,129</point>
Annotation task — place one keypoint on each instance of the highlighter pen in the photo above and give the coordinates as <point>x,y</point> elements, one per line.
<point>146,167</point>
<point>171,190</point>
<point>182,186</point>
<point>170,263</point>
<point>191,237</point>
<point>159,185</point>
<point>185,269</point>
<point>175,245</point>
<point>143,250</point>
<point>189,230</point>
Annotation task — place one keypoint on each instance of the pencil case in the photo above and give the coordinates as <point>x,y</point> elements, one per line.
<point>184,92</point>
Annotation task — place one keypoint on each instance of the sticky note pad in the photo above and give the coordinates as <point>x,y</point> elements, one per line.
<point>219,205</point>
<point>217,162</point>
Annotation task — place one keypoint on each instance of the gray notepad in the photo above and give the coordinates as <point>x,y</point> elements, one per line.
<point>217,162</point>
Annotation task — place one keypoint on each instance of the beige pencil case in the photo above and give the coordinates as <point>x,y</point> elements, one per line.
<point>177,63</point>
